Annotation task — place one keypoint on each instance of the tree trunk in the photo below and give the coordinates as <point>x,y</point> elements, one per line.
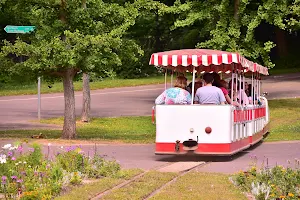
<point>86,107</point>
<point>281,43</point>
<point>69,129</point>
<point>236,9</point>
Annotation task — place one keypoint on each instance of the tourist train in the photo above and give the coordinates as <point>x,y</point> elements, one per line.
<point>210,129</point>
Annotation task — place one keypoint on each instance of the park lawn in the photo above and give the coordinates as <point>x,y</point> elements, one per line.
<point>142,187</point>
<point>285,126</point>
<point>194,185</point>
<point>279,71</point>
<point>197,185</point>
<point>285,120</point>
<point>9,90</point>
<point>120,129</point>
<point>91,190</point>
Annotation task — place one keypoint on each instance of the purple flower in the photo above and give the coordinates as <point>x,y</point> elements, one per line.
<point>31,149</point>
<point>4,178</point>
<point>13,158</point>
<point>9,154</point>
<point>42,174</point>
<point>23,173</point>
<point>20,149</point>
<point>19,181</point>
<point>14,177</point>
<point>47,166</point>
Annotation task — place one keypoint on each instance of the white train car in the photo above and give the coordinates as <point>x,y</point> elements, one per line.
<point>210,129</point>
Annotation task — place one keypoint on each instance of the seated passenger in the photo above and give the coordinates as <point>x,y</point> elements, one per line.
<point>218,83</point>
<point>250,96</point>
<point>238,93</point>
<point>176,94</point>
<point>209,94</point>
<point>198,84</point>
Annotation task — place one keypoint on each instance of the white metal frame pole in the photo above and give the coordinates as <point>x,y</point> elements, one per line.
<point>172,78</point>
<point>39,98</point>
<point>232,81</point>
<point>166,73</point>
<point>193,85</point>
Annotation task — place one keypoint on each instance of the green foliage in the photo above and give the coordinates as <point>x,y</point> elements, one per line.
<point>39,178</point>
<point>72,160</point>
<point>98,167</point>
<point>270,183</point>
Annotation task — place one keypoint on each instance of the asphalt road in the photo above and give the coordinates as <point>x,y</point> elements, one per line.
<point>16,111</point>
<point>143,157</point>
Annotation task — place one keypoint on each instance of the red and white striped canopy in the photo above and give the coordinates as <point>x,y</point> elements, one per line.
<point>204,59</point>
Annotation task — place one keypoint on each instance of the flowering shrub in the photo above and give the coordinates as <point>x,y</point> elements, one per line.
<point>32,176</point>
<point>277,183</point>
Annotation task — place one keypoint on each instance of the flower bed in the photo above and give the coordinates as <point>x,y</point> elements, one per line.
<point>264,183</point>
<point>32,176</point>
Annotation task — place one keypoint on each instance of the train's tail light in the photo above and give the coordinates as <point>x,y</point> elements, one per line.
<point>208,130</point>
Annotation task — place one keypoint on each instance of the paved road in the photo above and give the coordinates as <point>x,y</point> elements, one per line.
<point>129,101</point>
<point>142,156</point>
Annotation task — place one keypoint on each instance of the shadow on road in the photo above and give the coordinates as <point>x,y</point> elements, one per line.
<point>204,158</point>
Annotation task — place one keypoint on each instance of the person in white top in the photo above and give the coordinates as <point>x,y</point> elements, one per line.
<point>209,94</point>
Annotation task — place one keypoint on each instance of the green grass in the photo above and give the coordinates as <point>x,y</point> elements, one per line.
<point>142,187</point>
<point>278,71</point>
<point>285,125</point>
<point>285,120</point>
<point>206,186</point>
<point>9,90</point>
<point>90,190</point>
<point>124,129</point>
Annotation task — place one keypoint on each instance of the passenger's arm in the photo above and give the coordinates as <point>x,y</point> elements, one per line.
<point>160,99</point>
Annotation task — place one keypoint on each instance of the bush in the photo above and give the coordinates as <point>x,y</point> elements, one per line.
<point>31,176</point>
<point>271,183</point>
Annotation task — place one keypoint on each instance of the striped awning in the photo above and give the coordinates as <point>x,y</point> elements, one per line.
<point>206,59</point>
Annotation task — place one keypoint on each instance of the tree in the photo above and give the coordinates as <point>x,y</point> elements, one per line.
<point>78,40</point>
<point>231,25</point>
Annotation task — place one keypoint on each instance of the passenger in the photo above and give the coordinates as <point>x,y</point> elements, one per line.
<point>175,95</point>
<point>218,83</point>
<point>198,84</point>
<point>209,94</point>
<point>224,84</point>
<point>250,97</point>
<point>239,94</point>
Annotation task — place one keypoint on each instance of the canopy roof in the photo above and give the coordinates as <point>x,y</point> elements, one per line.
<point>204,60</point>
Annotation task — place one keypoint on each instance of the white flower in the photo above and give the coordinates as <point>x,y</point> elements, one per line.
<point>13,148</point>
<point>17,164</point>
<point>24,162</point>
<point>49,144</point>
<point>7,146</point>
<point>2,159</point>
<point>61,147</point>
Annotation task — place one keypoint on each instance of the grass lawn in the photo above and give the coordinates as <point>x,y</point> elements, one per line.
<point>285,120</point>
<point>90,190</point>
<point>278,71</point>
<point>142,187</point>
<point>285,125</point>
<point>8,90</point>
<point>122,129</point>
<point>196,185</point>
